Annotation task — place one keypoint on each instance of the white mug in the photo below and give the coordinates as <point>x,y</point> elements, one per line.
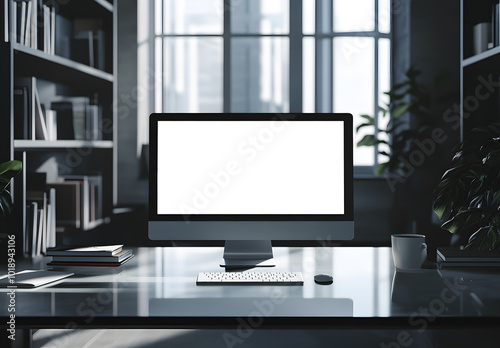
<point>409,251</point>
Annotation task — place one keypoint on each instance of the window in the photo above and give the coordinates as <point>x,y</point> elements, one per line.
<point>265,56</point>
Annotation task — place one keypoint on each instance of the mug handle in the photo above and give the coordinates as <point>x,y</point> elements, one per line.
<point>424,252</point>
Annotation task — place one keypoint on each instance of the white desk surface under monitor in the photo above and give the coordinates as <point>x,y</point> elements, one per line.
<point>157,288</point>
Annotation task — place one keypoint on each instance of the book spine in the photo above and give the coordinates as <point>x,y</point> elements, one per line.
<point>22,27</point>
<point>33,232</point>
<point>34,25</point>
<point>27,30</point>
<point>497,24</point>
<point>33,109</point>
<point>13,25</point>
<point>6,20</point>
<point>52,29</point>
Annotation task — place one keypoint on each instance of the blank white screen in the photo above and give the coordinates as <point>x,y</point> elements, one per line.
<point>250,167</point>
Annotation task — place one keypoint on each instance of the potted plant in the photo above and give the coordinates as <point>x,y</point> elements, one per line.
<point>408,97</point>
<point>411,121</point>
<point>7,171</point>
<point>468,196</point>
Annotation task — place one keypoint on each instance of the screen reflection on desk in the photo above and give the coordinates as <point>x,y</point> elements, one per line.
<point>251,307</point>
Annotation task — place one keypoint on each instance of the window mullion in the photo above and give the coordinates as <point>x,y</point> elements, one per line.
<point>295,56</point>
<point>226,64</point>
<point>375,87</point>
<point>323,57</point>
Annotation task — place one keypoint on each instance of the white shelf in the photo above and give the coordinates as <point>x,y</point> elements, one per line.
<point>61,144</point>
<point>481,56</point>
<point>53,62</point>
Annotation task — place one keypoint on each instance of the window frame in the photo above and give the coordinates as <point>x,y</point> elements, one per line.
<point>324,88</point>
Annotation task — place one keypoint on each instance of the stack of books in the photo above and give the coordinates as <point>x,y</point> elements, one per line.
<point>92,256</point>
<point>453,257</point>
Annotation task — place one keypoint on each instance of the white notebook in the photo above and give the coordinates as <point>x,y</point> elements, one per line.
<point>32,278</point>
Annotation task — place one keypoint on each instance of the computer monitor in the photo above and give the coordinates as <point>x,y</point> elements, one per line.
<point>249,179</point>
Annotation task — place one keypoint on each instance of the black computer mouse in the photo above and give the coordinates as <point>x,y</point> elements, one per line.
<point>323,279</point>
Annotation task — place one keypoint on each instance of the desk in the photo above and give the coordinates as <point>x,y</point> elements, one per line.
<point>157,289</point>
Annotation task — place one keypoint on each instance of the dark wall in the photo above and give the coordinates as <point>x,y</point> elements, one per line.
<point>427,38</point>
<point>131,190</point>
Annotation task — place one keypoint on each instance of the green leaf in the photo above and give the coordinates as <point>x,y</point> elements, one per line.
<point>370,121</point>
<point>394,96</point>
<point>363,126</point>
<point>400,109</point>
<point>400,85</point>
<point>369,118</point>
<point>381,168</point>
<point>5,204</point>
<point>463,220</point>
<point>7,171</point>
<point>485,238</point>
<point>412,73</point>
<point>370,140</point>
<point>383,111</point>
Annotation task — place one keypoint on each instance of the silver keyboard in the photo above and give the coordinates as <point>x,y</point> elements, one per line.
<point>250,278</point>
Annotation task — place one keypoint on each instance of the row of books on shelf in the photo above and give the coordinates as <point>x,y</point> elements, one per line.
<point>79,206</point>
<point>65,118</point>
<point>36,24</point>
<point>82,197</point>
<point>40,223</point>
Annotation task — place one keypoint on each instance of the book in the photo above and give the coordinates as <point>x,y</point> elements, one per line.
<point>34,24</point>
<point>73,115</point>
<point>101,250</point>
<point>68,209</point>
<point>33,278</point>
<point>31,111</point>
<point>88,42</point>
<point>28,24</point>
<point>52,30</point>
<point>27,227</point>
<point>65,127</point>
<point>457,255</point>
<point>94,119</point>
<point>91,199</point>
<point>64,30</point>
<point>51,235</point>
<point>22,23</point>
<point>39,123</point>
<point>115,258</point>
<point>21,113</point>
<point>89,264</point>
<point>45,198</point>
<point>39,233</point>
<point>449,264</point>
<point>51,119</point>
<point>496,25</point>
<point>13,33</point>
<point>33,231</point>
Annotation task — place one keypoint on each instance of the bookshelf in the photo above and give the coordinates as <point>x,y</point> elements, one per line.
<point>480,101</point>
<point>58,117</point>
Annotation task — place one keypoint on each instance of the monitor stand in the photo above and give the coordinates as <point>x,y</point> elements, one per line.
<point>247,254</point>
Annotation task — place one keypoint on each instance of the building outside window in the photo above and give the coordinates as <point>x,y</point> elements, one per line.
<point>266,56</point>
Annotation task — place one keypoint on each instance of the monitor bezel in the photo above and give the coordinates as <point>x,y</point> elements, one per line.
<point>291,117</point>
